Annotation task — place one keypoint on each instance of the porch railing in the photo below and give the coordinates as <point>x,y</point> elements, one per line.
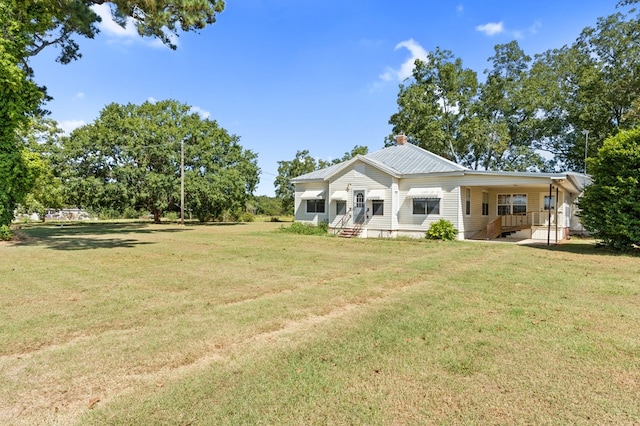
<point>528,219</point>
<point>506,222</point>
<point>494,228</point>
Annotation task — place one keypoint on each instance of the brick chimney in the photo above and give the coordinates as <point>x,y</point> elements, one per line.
<point>401,139</point>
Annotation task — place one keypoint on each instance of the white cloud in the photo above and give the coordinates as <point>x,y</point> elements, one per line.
<point>459,8</point>
<point>110,27</point>
<point>533,29</point>
<point>79,95</point>
<point>204,114</point>
<point>406,69</point>
<point>152,100</point>
<point>69,126</point>
<point>127,35</point>
<point>491,28</point>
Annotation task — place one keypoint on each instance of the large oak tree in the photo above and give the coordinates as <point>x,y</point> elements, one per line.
<point>28,27</point>
<point>130,157</point>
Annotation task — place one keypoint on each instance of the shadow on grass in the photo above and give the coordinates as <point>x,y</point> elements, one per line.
<point>86,236</point>
<point>585,248</point>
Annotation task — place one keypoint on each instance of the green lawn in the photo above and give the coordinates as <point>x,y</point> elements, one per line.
<point>239,324</point>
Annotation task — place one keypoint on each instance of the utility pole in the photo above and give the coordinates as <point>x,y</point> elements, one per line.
<point>182,182</point>
<point>585,132</point>
<point>586,150</point>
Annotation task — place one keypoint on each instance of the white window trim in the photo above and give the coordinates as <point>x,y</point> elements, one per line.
<point>511,204</point>
<point>426,209</point>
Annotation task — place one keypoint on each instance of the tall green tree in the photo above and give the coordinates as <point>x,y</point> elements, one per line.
<point>611,205</point>
<point>221,176</point>
<point>507,104</point>
<point>43,141</point>
<point>130,157</point>
<point>287,170</point>
<point>593,85</point>
<point>28,27</point>
<point>357,150</point>
<point>434,102</point>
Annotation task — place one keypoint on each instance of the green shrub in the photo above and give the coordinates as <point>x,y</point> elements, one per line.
<point>306,229</point>
<point>172,216</point>
<point>611,204</point>
<point>442,230</point>
<point>131,213</point>
<point>248,217</point>
<point>109,214</point>
<point>5,233</point>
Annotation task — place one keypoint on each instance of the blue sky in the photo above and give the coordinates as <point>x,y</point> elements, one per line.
<point>288,75</point>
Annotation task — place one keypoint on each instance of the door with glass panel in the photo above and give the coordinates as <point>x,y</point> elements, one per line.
<point>358,206</point>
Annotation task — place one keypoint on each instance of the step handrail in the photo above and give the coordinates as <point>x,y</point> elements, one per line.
<point>494,228</point>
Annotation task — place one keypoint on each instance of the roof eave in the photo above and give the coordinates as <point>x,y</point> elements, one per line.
<point>432,174</point>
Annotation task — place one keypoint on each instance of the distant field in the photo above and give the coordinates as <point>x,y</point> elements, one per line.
<point>142,324</point>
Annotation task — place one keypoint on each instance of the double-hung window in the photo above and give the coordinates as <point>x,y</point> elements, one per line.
<point>485,204</point>
<point>315,206</point>
<point>377,207</point>
<point>341,207</point>
<point>467,201</point>
<point>509,204</point>
<point>425,206</point>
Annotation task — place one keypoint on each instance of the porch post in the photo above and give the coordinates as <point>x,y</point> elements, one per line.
<point>549,219</point>
<point>555,208</point>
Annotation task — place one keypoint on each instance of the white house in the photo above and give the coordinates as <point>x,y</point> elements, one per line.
<point>401,190</point>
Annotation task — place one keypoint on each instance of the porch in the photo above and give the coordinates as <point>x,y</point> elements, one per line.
<point>539,225</point>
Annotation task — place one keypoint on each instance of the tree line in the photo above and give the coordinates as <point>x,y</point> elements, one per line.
<point>564,109</point>
<point>530,113</point>
<point>132,157</point>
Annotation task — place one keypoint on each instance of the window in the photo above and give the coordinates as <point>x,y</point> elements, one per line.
<point>467,201</point>
<point>512,204</point>
<point>341,207</point>
<point>519,204</point>
<point>315,206</point>
<point>377,207</point>
<point>426,206</point>
<point>485,204</point>
<point>549,203</point>
<point>504,204</point>
<point>433,206</point>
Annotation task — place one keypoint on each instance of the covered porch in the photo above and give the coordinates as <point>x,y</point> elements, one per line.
<point>541,212</point>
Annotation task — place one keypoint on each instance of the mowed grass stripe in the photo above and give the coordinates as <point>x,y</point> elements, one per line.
<point>168,323</point>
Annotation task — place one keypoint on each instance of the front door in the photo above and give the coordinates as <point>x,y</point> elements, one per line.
<point>358,206</point>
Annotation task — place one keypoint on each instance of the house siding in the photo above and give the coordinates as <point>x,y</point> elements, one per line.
<point>395,182</point>
<point>474,222</point>
<point>301,214</point>
<point>415,225</point>
<point>364,177</point>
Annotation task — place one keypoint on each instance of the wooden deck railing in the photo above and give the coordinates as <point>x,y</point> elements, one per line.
<point>494,228</point>
<point>528,218</point>
<point>518,221</point>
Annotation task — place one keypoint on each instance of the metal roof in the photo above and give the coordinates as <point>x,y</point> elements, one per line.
<point>398,160</point>
<point>409,159</point>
